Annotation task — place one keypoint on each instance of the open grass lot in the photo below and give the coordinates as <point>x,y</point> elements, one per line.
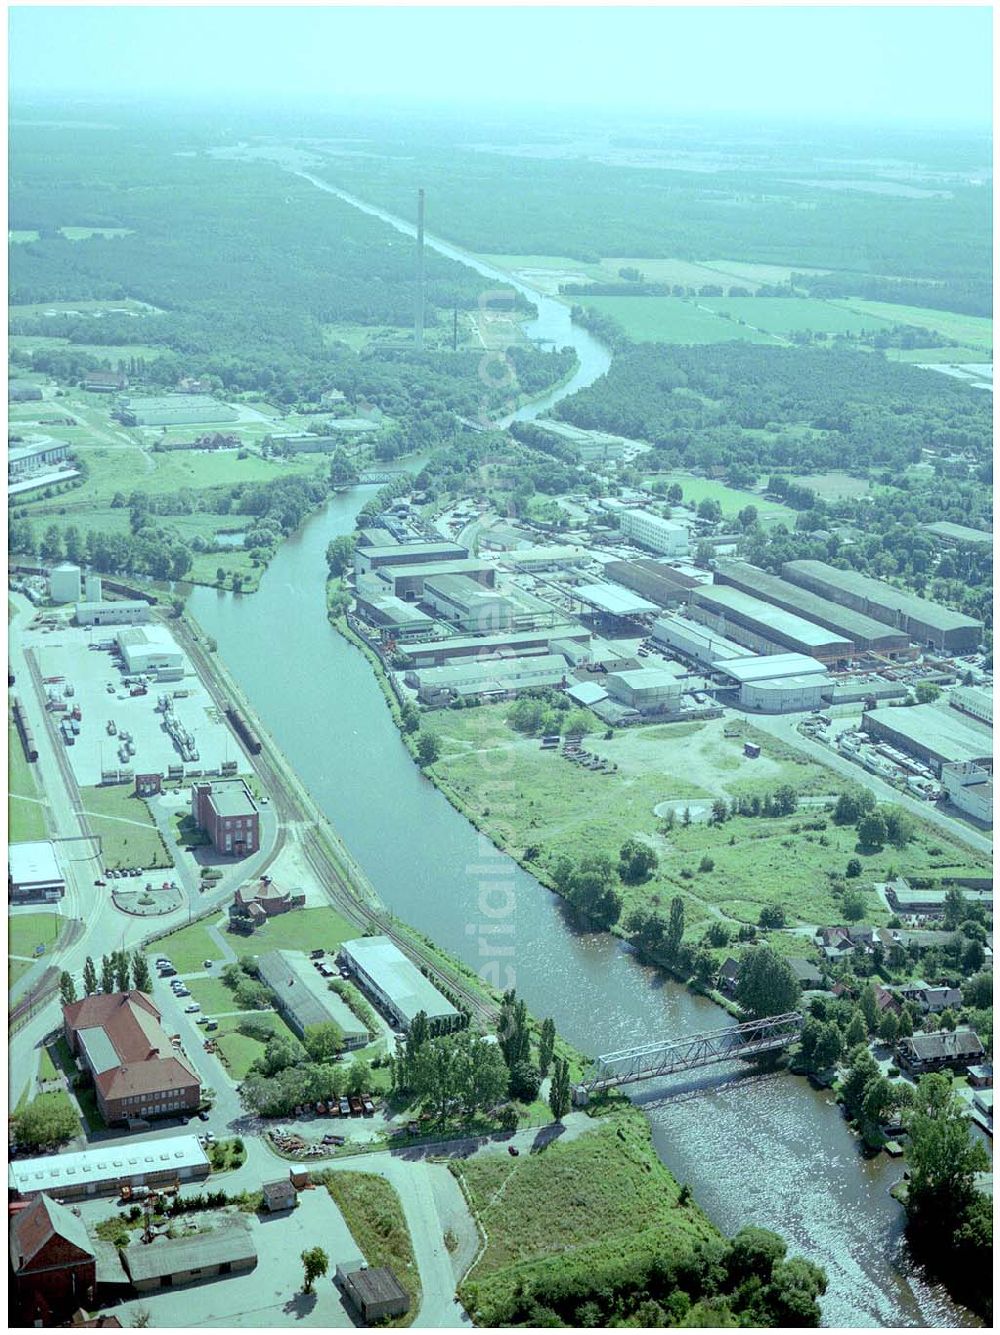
<point>16,969</point>
<point>601,1196</point>
<point>240,1050</point>
<point>972,331</point>
<point>834,486</point>
<point>129,837</point>
<point>373,1212</point>
<point>186,948</point>
<point>28,930</point>
<point>302,929</point>
<point>957,356</point>
<point>528,799</point>
<point>212,994</point>
<point>786,315</point>
<point>673,320</point>
<point>109,352</point>
<point>26,814</point>
<point>732,500</point>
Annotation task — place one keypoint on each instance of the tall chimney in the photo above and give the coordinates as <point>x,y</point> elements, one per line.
<point>418,333</point>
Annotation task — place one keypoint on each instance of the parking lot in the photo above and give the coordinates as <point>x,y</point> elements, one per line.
<point>95,679</point>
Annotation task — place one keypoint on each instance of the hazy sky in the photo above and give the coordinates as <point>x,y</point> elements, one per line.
<point>899,63</point>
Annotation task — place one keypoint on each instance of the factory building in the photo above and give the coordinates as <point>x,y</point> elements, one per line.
<point>970,788</point>
<point>778,683</point>
<point>227,812</point>
<point>694,642</point>
<point>613,600</point>
<point>407,581</point>
<point>103,1171</point>
<point>33,873</point>
<point>974,701</point>
<point>393,614</point>
<point>492,678</point>
<point>664,536</point>
<point>762,627</point>
<point>957,535</point>
<point>907,899</point>
<point>151,650</point>
<point>65,583</point>
<point>924,621</point>
<point>25,459</point>
<point>647,690</point>
<point>174,410</point>
<point>367,559</point>
<point>466,604</point>
<point>544,558</point>
<point>862,631</point>
<point>118,1039</point>
<point>936,736</point>
<point>433,653</point>
<point>660,583</point>
<point>303,998</point>
<point>598,653</point>
<point>395,983</point>
<point>128,612</point>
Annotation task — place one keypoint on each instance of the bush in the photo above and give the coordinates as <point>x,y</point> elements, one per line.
<point>706,864</point>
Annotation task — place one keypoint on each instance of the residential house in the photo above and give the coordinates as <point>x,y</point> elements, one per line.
<point>931,1000</point>
<point>981,1077</point>
<point>728,976</point>
<point>935,1052</point>
<point>53,1265</point>
<point>807,974</point>
<point>885,1001</point>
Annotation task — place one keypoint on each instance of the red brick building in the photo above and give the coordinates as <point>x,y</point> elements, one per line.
<point>53,1265</point>
<point>137,1072</point>
<point>226,811</point>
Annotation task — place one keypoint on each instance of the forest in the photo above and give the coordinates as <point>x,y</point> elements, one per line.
<point>773,407</point>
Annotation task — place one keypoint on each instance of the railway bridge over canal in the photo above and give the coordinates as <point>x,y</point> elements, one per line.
<point>672,1056</point>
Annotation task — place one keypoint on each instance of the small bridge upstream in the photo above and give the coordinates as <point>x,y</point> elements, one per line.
<point>671,1056</point>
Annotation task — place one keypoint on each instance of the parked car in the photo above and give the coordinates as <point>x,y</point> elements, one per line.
<point>102,883</point>
<point>203,1115</point>
<point>345,1108</point>
<point>206,964</point>
<point>192,1009</point>
<point>212,1024</point>
<point>202,1019</point>
<point>513,1150</point>
<point>167,972</point>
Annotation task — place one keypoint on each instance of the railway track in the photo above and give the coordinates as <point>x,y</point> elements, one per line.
<point>316,840</point>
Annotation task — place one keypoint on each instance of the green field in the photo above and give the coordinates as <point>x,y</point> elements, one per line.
<point>28,930</point>
<point>240,1050</point>
<point>834,486</point>
<point>787,315</point>
<point>529,799</point>
<point>26,813</point>
<point>972,331</point>
<point>373,1212</point>
<point>732,500</point>
<point>212,994</point>
<point>602,1196</point>
<point>106,352</point>
<point>673,320</point>
<point>301,929</point>
<point>186,948</point>
<point>128,834</point>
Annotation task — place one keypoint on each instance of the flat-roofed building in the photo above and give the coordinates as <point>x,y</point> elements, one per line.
<point>929,903</point>
<point>304,998</point>
<point>493,678</point>
<point>137,1072</point>
<point>367,559</point>
<point>785,695</point>
<point>33,457</point>
<point>655,580</point>
<point>763,627</point>
<point>922,620</point>
<point>544,558</point>
<point>127,612</point>
<point>104,1169</point>
<point>374,1291</point>
<point>395,982</point>
<point>974,701</point>
<point>150,650</point>
<point>33,872</point>
<point>404,620</point>
<point>862,631</point>
<point>664,536</point>
<point>517,643</point>
<point>937,736</point>
<point>467,604</point>
<point>613,600</point>
<point>649,690</point>
<point>698,643</point>
<point>173,410</point>
<point>771,667</point>
<point>225,809</point>
<point>407,581</point>
<point>970,788</point>
<point>957,535</point>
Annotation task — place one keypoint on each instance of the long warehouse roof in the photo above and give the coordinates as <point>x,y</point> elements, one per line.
<point>61,1172</point>
<point>939,731</point>
<point>613,599</point>
<point>770,667</point>
<point>877,592</point>
<point>728,599</point>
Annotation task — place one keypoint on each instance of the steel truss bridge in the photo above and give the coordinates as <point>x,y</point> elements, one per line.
<point>670,1056</point>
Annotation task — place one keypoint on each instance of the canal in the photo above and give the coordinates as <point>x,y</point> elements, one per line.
<point>766,1150</point>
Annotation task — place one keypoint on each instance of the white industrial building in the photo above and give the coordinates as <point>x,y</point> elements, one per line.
<point>970,788</point>
<point>467,604</point>
<point>975,701</point>
<point>64,583</point>
<point>778,683</point>
<point>151,650</point>
<point>395,982</point>
<point>33,872</point>
<point>649,690</point>
<point>698,643</point>
<point>103,1171</point>
<point>128,612</point>
<point>664,536</point>
<point>39,454</point>
<point>496,677</point>
<point>614,600</point>
<point>544,558</point>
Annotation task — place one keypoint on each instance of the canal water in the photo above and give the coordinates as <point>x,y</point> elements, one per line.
<point>766,1150</point>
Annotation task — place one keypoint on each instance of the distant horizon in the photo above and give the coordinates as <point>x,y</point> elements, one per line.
<point>927,66</point>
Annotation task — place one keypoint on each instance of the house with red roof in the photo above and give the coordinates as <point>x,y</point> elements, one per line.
<point>53,1264</point>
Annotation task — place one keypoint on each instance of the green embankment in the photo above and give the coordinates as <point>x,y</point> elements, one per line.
<point>374,1214</point>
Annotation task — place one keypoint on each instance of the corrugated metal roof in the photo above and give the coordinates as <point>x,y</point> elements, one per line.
<point>769,667</point>
<point>398,977</point>
<point>615,599</point>
<point>171,1256</point>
